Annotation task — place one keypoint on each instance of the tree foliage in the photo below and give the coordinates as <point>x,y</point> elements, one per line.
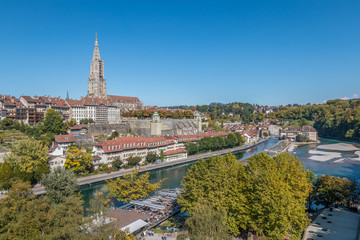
<point>78,160</point>
<point>113,135</point>
<point>6,175</point>
<point>72,122</point>
<point>267,196</point>
<point>133,161</point>
<point>87,120</point>
<point>28,159</point>
<point>151,157</point>
<point>117,163</point>
<point>329,190</point>
<point>337,118</point>
<point>53,122</point>
<point>60,184</point>
<point>207,223</point>
<point>278,189</point>
<point>24,216</point>
<point>219,180</point>
<point>215,143</point>
<point>132,186</point>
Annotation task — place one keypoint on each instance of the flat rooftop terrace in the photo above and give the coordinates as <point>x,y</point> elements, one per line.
<point>334,225</point>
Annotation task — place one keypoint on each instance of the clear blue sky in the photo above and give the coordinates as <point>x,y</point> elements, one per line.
<point>190,52</point>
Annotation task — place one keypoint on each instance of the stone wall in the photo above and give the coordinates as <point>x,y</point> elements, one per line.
<point>143,127</point>
<point>104,128</point>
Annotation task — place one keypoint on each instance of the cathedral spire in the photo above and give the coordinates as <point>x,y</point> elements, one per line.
<point>96,55</point>
<point>96,81</point>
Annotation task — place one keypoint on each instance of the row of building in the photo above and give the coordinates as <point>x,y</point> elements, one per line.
<point>105,152</point>
<point>31,110</point>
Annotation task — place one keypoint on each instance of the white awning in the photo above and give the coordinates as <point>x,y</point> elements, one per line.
<point>134,226</point>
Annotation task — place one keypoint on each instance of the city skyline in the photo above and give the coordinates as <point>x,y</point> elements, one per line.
<point>185,53</point>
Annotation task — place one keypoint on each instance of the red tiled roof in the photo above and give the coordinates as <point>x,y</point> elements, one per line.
<point>77,127</point>
<point>54,101</point>
<point>75,103</point>
<point>65,138</point>
<point>114,98</point>
<point>177,151</point>
<point>130,142</point>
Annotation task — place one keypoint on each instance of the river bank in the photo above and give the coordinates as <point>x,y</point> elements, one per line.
<point>38,190</point>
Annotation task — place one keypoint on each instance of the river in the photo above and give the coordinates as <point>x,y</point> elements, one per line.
<point>175,174</point>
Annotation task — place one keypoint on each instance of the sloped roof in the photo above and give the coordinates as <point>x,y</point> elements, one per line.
<point>114,98</point>
<point>68,138</point>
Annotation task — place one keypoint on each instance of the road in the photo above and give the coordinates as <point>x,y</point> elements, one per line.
<point>102,177</point>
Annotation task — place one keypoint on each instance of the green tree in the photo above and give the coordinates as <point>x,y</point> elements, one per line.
<point>132,186</point>
<point>86,121</point>
<point>23,216</point>
<point>104,167</point>
<point>6,175</point>
<point>221,181</point>
<point>28,158</point>
<point>65,220</point>
<point>117,163</point>
<point>60,184</point>
<point>162,157</point>
<point>278,189</point>
<point>78,160</point>
<point>267,196</point>
<point>72,122</point>
<point>113,135</point>
<point>53,122</point>
<point>312,179</point>
<point>133,161</point>
<point>301,138</point>
<point>191,148</point>
<point>207,223</point>
<point>151,157</point>
<point>240,139</point>
<point>231,140</point>
<point>330,190</point>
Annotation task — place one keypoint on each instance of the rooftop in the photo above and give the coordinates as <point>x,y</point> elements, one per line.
<point>334,225</point>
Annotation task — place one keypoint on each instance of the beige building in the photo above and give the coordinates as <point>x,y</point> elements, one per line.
<point>291,133</point>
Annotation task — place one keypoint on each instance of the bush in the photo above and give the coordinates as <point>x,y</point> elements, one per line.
<point>104,167</point>
<point>117,163</point>
<point>133,161</point>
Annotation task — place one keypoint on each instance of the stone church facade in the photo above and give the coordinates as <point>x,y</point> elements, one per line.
<point>96,81</point>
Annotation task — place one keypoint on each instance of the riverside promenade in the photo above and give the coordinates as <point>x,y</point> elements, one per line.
<point>38,190</point>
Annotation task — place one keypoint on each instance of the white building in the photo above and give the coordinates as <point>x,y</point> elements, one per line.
<point>56,161</point>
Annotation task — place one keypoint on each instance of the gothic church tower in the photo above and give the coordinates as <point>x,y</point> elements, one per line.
<point>96,82</point>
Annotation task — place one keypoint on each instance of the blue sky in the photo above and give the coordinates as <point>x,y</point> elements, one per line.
<point>184,51</point>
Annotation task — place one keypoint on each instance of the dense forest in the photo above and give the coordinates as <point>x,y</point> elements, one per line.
<point>336,118</point>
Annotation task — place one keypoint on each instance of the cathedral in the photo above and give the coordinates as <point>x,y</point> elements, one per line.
<point>96,82</point>
<point>97,85</point>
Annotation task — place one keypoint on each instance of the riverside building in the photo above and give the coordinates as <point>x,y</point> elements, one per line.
<point>125,147</point>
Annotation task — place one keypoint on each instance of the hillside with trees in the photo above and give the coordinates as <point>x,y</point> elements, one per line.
<point>338,119</point>
<point>236,111</point>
